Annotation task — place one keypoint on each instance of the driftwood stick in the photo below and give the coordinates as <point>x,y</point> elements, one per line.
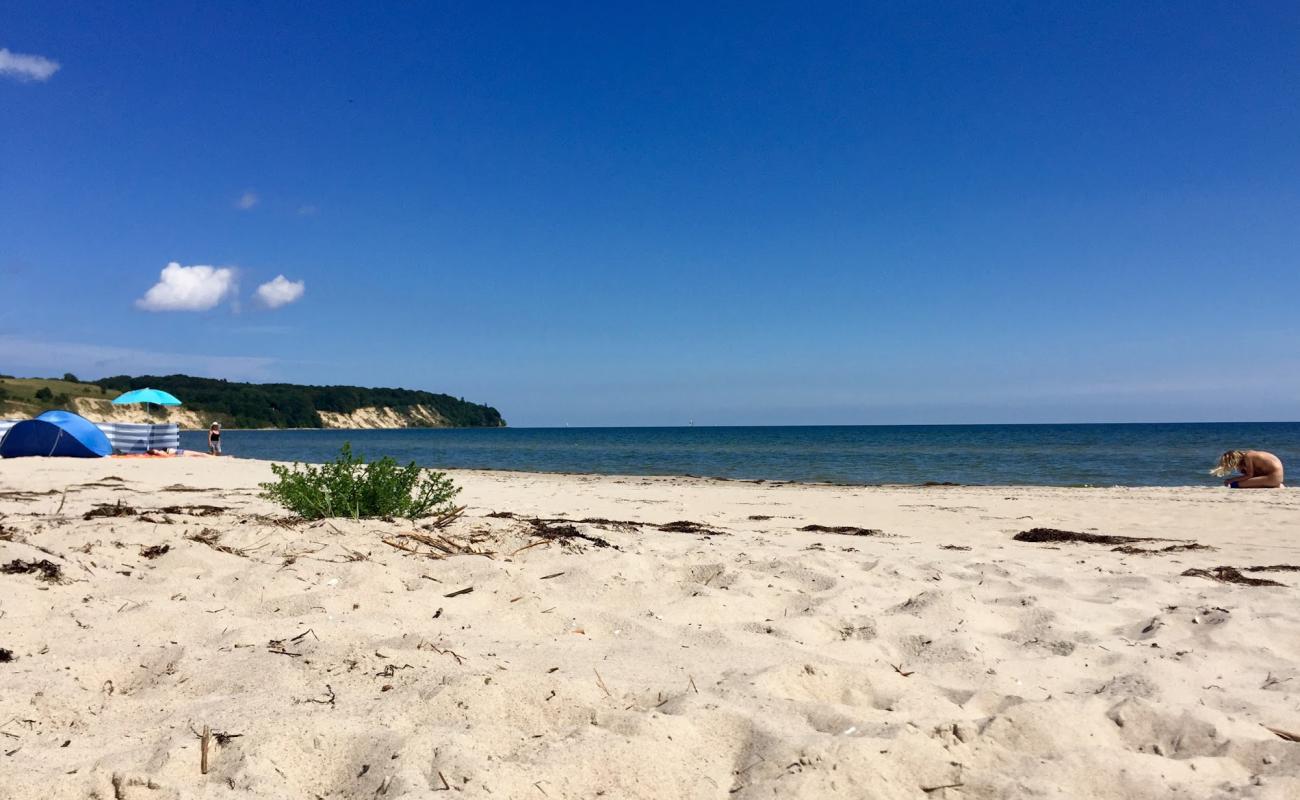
<point>534,544</point>
<point>400,546</point>
<point>205,741</point>
<point>929,789</point>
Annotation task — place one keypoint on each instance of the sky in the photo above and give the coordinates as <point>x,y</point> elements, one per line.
<point>655,214</point>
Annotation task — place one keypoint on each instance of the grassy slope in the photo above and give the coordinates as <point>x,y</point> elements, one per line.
<point>20,399</point>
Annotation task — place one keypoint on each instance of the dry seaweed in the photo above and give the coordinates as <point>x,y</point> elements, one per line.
<point>1275,568</point>
<point>599,522</point>
<point>111,482</point>
<point>612,524</point>
<point>953,547</point>
<point>1042,535</point>
<point>110,510</point>
<point>759,517</point>
<point>23,496</point>
<point>286,522</point>
<point>278,646</point>
<point>627,525</point>
<point>212,538</point>
<point>328,700</point>
<point>1129,549</point>
<point>564,534</point>
<point>49,571</point>
<point>155,550</point>
<point>843,530</point>
<point>194,510</point>
<point>6,655</point>
<point>686,526</point>
<point>1230,575</point>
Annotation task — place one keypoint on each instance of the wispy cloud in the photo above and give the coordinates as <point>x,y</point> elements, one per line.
<point>247,200</point>
<point>307,210</point>
<point>196,288</point>
<point>39,356</point>
<point>25,67</point>
<point>280,291</point>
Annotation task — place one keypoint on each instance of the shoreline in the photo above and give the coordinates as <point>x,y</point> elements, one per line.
<point>993,455</point>
<point>643,637</point>
<point>775,481</point>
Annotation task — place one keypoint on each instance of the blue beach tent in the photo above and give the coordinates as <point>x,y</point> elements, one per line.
<point>55,433</point>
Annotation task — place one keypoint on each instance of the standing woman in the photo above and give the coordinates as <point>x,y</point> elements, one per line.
<point>1259,470</point>
<point>214,439</point>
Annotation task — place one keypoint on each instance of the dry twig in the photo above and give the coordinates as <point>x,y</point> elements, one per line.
<point>1281,734</point>
<point>1230,575</point>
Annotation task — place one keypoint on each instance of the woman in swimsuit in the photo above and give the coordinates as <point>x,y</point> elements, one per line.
<point>1259,470</point>
<point>214,439</point>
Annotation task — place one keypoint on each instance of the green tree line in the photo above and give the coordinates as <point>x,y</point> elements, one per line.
<point>287,405</point>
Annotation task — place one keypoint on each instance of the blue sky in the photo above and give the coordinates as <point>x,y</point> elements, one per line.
<point>597,214</point>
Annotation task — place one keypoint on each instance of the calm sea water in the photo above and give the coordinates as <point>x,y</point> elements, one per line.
<point>1060,455</point>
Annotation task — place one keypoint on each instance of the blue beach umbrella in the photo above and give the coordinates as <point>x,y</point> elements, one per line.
<point>155,396</point>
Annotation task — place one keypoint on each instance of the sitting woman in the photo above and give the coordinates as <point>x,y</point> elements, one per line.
<point>1259,470</point>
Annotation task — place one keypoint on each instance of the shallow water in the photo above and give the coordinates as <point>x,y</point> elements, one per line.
<point>1176,454</point>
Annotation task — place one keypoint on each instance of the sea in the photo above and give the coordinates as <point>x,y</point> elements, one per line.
<point>1142,454</point>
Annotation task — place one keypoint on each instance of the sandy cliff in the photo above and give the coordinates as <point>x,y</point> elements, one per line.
<point>374,417</point>
<point>105,411</point>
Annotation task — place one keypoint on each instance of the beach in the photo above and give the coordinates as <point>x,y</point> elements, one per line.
<point>688,640</point>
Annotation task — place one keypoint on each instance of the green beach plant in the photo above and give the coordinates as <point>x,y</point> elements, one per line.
<point>349,487</point>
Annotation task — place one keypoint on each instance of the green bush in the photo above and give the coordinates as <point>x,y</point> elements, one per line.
<point>44,393</point>
<point>349,487</point>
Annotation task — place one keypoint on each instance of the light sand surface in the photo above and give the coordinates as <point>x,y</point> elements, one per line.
<point>759,662</point>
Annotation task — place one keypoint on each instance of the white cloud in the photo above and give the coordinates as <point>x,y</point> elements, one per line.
<point>280,291</point>
<point>26,68</point>
<point>247,200</point>
<point>195,288</point>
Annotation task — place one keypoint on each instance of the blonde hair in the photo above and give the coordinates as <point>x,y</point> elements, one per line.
<point>1229,462</point>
